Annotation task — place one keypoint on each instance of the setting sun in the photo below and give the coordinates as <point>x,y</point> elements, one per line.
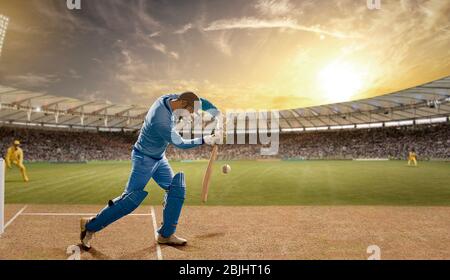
<point>340,81</point>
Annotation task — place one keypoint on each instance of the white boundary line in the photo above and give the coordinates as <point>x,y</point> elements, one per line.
<point>158,248</point>
<point>15,216</point>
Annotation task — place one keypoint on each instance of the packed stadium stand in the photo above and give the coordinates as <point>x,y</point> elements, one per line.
<point>62,129</point>
<point>429,141</point>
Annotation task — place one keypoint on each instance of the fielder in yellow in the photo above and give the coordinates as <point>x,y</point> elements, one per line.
<point>15,156</point>
<point>412,158</point>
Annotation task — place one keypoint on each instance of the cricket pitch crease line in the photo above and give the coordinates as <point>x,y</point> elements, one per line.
<point>15,216</point>
<point>158,248</point>
<point>76,214</point>
<point>152,214</point>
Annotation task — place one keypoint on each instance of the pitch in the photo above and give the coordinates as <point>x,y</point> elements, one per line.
<point>251,183</point>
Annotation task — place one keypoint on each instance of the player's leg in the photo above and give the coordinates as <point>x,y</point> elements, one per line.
<point>143,168</point>
<point>415,162</point>
<point>163,176</point>
<point>23,171</point>
<point>8,162</point>
<point>175,188</point>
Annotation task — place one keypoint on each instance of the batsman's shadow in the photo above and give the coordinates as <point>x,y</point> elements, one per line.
<point>202,237</point>
<point>210,235</point>
<point>184,248</point>
<point>142,254</point>
<point>96,254</point>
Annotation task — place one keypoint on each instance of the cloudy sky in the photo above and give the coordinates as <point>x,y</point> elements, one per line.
<point>259,54</point>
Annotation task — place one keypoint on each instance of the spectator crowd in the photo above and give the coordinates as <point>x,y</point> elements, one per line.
<point>429,141</point>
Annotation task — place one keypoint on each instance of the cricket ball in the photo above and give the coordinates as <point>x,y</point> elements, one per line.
<point>226,169</point>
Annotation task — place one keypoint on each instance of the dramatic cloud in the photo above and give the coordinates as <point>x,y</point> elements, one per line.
<point>163,49</point>
<point>254,23</point>
<point>31,80</point>
<point>160,47</point>
<point>240,54</point>
<point>274,7</point>
<point>184,29</point>
<point>222,42</point>
<point>155,34</point>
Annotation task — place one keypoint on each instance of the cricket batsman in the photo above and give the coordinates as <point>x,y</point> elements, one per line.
<point>149,161</point>
<point>14,155</point>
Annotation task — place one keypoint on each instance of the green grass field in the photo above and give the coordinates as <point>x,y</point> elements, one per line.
<point>250,183</point>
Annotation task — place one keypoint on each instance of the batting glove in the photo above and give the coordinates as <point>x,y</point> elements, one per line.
<point>211,140</point>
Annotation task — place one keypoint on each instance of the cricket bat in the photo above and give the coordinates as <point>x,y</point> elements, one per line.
<point>209,170</point>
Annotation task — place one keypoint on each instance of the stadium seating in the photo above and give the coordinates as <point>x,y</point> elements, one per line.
<point>430,142</point>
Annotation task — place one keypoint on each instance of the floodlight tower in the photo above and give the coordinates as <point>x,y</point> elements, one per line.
<point>4,21</point>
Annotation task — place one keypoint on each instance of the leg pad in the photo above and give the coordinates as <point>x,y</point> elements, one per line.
<point>174,201</point>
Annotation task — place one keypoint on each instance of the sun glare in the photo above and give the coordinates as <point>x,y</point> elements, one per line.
<point>340,81</point>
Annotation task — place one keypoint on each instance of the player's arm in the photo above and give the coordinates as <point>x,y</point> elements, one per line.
<point>210,108</point>
<point>168,132</point>
<point>215,113</point>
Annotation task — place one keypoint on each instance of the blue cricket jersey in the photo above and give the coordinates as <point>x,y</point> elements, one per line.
<point>159,131</point>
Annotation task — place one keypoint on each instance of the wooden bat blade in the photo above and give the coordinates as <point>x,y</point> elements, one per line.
<point>207,176</point>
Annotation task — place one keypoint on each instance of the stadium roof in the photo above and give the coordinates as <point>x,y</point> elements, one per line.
<point>428,101</point>
<point>26,107</point>
<point>431,100</point>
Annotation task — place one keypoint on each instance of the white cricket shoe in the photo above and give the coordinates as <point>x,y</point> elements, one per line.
<point>172,240</point>
<point>85,235</point>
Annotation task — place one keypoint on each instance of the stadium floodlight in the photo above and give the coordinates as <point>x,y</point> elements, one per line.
<point>4,21</point>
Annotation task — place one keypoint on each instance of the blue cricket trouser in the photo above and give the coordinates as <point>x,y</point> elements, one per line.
<point>143,169</point>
